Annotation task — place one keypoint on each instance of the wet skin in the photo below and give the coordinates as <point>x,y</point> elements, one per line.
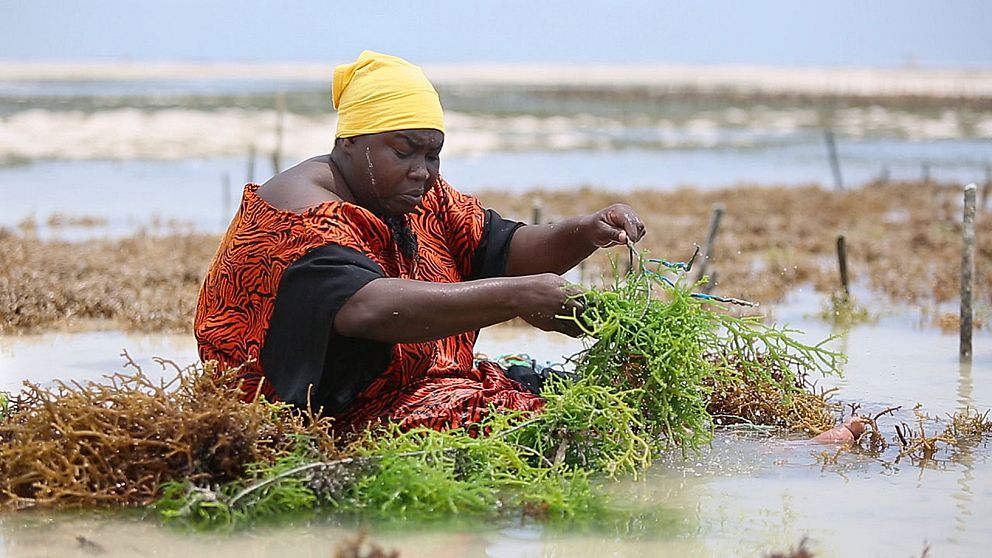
<point>846,433</point>
<point>389,173</point>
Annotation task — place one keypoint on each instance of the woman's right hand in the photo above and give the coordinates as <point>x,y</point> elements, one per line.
<point>544,296</point>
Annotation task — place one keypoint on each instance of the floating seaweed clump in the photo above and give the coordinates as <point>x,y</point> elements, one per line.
<point>796,408</point>
<point>683,363</point>
<point>510,464</point>
<point>118,442</point>
<point>924,442</point>
<point>843,311</point>
<point>658,371</point>
<point>361,547</point>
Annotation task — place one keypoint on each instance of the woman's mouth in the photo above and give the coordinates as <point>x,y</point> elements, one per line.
<point>414,197</point>
<point>409,201</point>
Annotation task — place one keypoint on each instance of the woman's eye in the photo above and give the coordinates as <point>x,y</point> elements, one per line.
<point>402,154</point>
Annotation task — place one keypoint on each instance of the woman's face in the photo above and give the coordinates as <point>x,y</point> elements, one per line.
<point>391,171</point>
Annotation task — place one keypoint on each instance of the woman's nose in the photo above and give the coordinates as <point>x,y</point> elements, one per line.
<point>419,172</point>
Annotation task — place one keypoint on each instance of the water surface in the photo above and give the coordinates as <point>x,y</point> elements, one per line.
<point>747,494</point>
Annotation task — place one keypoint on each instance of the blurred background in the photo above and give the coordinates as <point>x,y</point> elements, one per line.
<point>119,116</point>
<point>133,112</point>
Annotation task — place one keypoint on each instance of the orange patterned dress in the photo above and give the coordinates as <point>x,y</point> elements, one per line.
<point>279,278</point>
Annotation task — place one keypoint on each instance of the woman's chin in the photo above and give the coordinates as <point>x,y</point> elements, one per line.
<point>405,204</point>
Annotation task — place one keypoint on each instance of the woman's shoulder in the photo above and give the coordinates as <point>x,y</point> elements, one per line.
<point>301,187</point>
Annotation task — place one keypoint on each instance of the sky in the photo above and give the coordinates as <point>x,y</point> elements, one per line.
<point>948,33</point>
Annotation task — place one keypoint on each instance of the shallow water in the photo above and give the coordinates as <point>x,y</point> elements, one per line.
<point>747,494</point>
<point>203,193</point>
<point>132,152</point>
<point>176,146</point>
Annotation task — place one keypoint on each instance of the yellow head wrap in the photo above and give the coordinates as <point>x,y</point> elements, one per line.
<point>382,93</point>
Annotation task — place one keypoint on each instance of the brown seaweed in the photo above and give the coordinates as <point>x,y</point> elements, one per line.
<point>772,239</point>
<point>115,443</point>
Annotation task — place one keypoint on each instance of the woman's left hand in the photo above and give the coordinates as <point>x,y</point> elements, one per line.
<point>558,247</point>
<point>615,225</point>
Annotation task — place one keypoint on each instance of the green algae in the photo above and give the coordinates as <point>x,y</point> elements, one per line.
<point>645,387</point>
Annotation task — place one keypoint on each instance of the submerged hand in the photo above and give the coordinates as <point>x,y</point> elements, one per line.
<point>615,225</point>
<point>846,433</point>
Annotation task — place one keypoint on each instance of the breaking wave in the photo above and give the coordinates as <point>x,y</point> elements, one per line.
<point>179,133</point>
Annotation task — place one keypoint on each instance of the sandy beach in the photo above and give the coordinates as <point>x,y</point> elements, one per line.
<point>754,79</point>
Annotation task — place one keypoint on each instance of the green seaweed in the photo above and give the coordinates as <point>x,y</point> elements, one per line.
<point>843,311</point>
<point>224,505</point>
<point>646,384</point>
<point>665,355</point>
<point>589,426</point>
<point>503,466</point>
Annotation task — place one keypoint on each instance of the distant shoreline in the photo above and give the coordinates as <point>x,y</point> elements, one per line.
<point>741,79</point>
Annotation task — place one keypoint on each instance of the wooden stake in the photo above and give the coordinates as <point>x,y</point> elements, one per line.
<point>251,165</point>
<point>712,283</point>
<point>883,176</point>
<point>535,209</point>
<point>225,190</point>
<point>925,172</point>
<point>967,270</point>
<point>986,187</point>
<point>280,116</point>
<point>834,159</point>
<point>842,264</point>
<point>710,240</point>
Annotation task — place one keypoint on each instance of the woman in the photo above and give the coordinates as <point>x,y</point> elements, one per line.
<point>356,281</point>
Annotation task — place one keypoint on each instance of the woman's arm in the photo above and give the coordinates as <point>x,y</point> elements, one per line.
<point>558,247</point>
<point>406,311</point>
